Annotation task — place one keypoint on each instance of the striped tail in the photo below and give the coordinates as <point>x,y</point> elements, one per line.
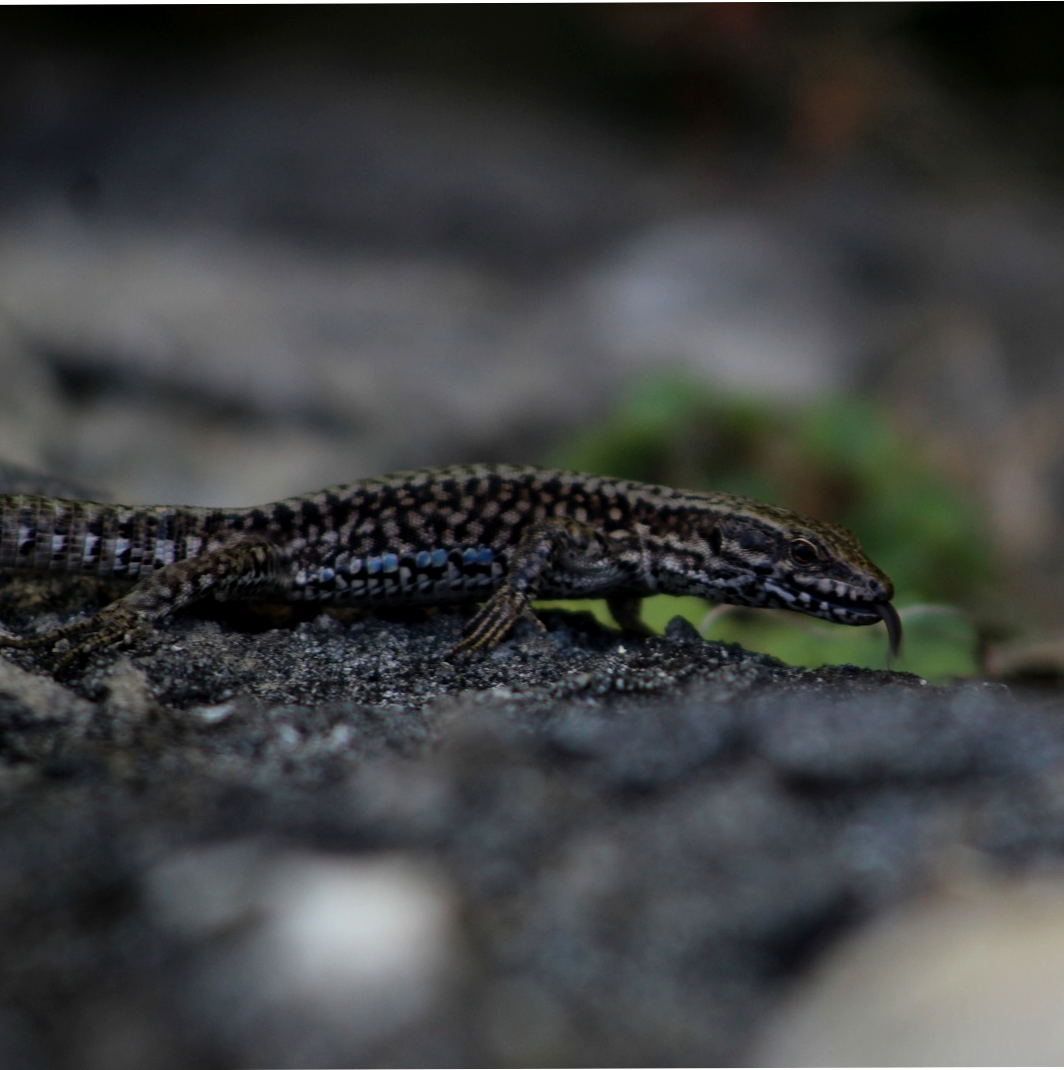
<point>60,535</point>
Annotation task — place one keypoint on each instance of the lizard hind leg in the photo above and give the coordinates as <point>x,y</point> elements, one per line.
<point>244,566</point>
<point>115,625</point>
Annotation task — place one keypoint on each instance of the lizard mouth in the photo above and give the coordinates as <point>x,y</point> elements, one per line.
<point>870,613</point>
<point>849,611</point>
<point>837,607</point>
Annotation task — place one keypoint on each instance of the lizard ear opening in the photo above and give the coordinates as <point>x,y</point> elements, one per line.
<point>716,540</point>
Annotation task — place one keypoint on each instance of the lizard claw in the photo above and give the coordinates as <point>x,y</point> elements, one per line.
<point>491,623</point>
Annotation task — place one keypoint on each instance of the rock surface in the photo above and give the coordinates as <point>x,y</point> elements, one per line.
<point>250,840</point>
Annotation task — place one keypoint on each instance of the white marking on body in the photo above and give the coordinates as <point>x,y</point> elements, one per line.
<point>164,553</point>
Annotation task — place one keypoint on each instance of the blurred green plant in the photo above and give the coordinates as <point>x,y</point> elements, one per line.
<point>839,459</point>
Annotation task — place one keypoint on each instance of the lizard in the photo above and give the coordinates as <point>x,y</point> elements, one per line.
<point>501,535</point>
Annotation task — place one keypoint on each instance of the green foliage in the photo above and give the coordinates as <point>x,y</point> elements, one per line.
<point>839,460</point>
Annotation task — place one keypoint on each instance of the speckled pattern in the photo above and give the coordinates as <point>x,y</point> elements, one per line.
<point>498,534</point>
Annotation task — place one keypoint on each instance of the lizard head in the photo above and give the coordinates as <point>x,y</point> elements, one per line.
<point>767,556</point>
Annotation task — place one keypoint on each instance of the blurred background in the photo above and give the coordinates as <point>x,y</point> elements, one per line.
<point>812,253</point>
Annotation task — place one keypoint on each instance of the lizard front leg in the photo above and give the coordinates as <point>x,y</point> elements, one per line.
<point>244,566</point>
<point>560,556</point>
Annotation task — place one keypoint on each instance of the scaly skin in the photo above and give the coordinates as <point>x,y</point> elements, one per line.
<point>498,534</point>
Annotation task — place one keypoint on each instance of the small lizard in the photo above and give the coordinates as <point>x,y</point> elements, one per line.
<point>498,534</point>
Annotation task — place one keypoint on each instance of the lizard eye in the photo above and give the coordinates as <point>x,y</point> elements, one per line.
<point>803,552</point>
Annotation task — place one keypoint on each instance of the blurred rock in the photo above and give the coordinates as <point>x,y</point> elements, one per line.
<point>971,975</point>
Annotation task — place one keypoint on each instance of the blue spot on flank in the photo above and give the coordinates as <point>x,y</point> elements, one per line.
<point>373,565</point>
<point>439,558</point>
<point>327,575</point>
<point>355,567</point>
<point>423,559</point>
<point>478,555</point>
<point>390,562</point>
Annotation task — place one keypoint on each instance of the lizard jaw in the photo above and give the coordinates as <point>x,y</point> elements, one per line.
<point>845,611</point>
<point>867,613</point>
